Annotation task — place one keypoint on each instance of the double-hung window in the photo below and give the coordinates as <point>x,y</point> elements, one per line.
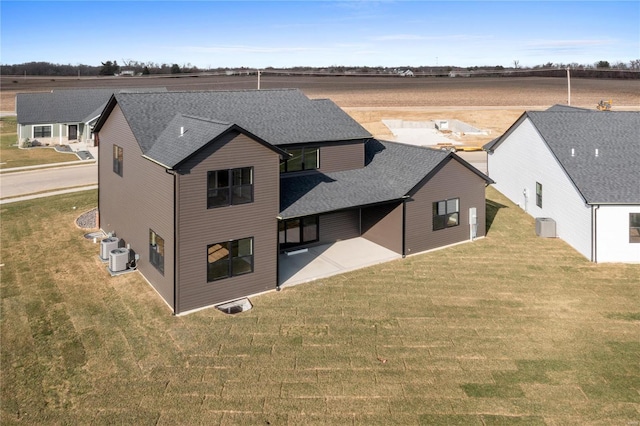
<point>301,159</point>
<point>229,259</point>
<point>634,227</point>
<point>229,187</point>
<point>156,251</point>
<point>42,131</point>
<point>117,159</point>
<point>446,213</point>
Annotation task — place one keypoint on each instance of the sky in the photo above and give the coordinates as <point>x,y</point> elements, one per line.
<point>280,34</point>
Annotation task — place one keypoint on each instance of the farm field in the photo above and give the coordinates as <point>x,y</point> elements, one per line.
<point>511,329</point>
<point>487,103</point>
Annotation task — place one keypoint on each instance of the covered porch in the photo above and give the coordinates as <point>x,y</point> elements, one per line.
<point>326,260</point>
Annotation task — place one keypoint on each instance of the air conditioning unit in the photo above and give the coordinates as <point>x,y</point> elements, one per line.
<point>545,227</point>
<point>106,245</point>
<point>118,259</point>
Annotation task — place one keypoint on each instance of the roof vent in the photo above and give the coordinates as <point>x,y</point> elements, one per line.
<point>596,152</point>
<point>573,152</point>
<point>181,130</point>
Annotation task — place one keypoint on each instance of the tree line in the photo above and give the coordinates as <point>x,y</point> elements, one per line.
<point>600,69</point>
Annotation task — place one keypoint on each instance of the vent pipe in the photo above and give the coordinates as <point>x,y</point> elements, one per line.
<point>596,152</point>
<point>181,131</point>
<point>573,152</point>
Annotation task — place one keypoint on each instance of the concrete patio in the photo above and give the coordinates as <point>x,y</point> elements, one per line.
<point>331,259</point>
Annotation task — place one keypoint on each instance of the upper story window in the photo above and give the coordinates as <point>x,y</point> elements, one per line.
<point>156,251</point>
<point>446,214</point>
<point>634,227</point>
<point>229,187</point>
<point>117,159</point>
<point>229,259</point>
<point>539,194</point>
<point>42,131</point>
<point>301,159</point>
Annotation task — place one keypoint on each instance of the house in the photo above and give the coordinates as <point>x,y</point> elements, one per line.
<point>208,188</point>
<point>581,169</point>
<point>60,117</point>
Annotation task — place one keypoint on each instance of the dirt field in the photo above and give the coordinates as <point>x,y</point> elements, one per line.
<point>487,103</point>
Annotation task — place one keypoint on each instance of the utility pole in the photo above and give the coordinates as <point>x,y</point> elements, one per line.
<point>568,87</point>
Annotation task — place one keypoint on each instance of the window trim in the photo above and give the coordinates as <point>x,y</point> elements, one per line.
<point>438,218</point>
<point>284,164</point>
<point>33,131</point>
<point>632,238</point>
<point>230,259</point>
<point>539,194</point>
<point>231,200</point>
<point>118,159</point>
<point>155,257</point>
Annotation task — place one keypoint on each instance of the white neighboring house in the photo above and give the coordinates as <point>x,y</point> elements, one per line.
<point>580,168</point>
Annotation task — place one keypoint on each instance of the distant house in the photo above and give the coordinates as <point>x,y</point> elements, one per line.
<point>580,169</point>
<point>60,117</point>
<point>208,188</point>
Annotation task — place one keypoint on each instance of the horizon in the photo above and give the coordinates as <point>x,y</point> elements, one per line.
<point>320,34</point>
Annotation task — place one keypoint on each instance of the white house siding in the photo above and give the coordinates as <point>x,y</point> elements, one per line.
<point>612,234</point>
<point>523,159</point>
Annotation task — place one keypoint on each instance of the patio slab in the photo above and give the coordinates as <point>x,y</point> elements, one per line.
<point>331,259</point>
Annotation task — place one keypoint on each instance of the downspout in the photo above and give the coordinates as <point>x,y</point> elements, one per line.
<point>404,227</point>
<point>175,240</point>
<point>278,219</point>
<point>594,233</point>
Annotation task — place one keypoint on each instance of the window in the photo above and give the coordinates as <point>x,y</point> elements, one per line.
<point>301,159</point>
<point>42,131</point>
<point>117,160</point>
<point>446,214</point>
<point>230,187</point>
<point>634,227</point>
<point>539,194</point>
<point>229,259</point>
<point>294,232</point>
<point>156,251</point>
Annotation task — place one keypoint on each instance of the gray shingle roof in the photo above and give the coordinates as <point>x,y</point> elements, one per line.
<point>393,170</point>
<point>279,117</point>
<point>64,106</point>
<point>611,177</point>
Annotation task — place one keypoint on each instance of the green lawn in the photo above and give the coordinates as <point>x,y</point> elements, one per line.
<point>508,330</point>
<point>12,156</point>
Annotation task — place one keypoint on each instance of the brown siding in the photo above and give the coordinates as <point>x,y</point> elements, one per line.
<point>339,226</point>
<point>452,181</point>
<point>383,225</point>
<point>343,156</point>
<point>200,227</point>
<point>144,187</point>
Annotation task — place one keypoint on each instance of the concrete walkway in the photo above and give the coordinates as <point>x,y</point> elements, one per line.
<point>331,259</point>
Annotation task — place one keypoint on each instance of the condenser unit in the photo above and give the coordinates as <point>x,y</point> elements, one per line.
<point>108,244</point>
<point>545,227</point>
<point>118,259</point>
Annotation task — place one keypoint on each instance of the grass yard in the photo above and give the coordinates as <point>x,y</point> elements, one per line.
<point>508,330</point>
<point>12,156</point>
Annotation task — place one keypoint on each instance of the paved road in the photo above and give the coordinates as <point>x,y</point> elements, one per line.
<point>28,182</point>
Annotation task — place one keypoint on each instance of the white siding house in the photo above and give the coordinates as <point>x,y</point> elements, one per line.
<point>580,168</point>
